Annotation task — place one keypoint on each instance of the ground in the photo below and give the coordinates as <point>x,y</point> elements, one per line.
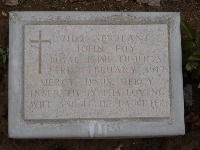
<point>190,11</point>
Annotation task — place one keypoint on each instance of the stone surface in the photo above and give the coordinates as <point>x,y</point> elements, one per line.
<point>96,71</point>
<point>95,74</point>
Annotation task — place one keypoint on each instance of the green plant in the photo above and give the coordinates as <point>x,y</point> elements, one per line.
<point>191,51</point>
<point>4,55</point>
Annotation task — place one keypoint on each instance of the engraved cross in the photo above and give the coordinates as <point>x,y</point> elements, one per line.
<point>40,41</point>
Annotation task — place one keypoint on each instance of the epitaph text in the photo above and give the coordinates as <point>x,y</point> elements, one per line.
<point>96,71</point>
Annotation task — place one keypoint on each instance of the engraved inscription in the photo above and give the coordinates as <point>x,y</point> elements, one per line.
<point>40,41</point>
<point>96,71</point>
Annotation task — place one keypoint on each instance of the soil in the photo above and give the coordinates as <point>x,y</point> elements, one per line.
<point>190,11</point>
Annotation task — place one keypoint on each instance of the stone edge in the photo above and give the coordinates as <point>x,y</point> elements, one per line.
<point>93,128</point>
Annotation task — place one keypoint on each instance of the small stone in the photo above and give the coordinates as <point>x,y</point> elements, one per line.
<point>11,2</point>
<point>4,13</point>
<point>150,2</point>
<point>119,147</point>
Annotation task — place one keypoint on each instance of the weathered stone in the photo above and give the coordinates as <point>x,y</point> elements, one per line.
<point>95,75</point>
<point>96,71</point>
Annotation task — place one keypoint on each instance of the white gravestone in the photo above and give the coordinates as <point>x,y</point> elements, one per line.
<point>84,75</point>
